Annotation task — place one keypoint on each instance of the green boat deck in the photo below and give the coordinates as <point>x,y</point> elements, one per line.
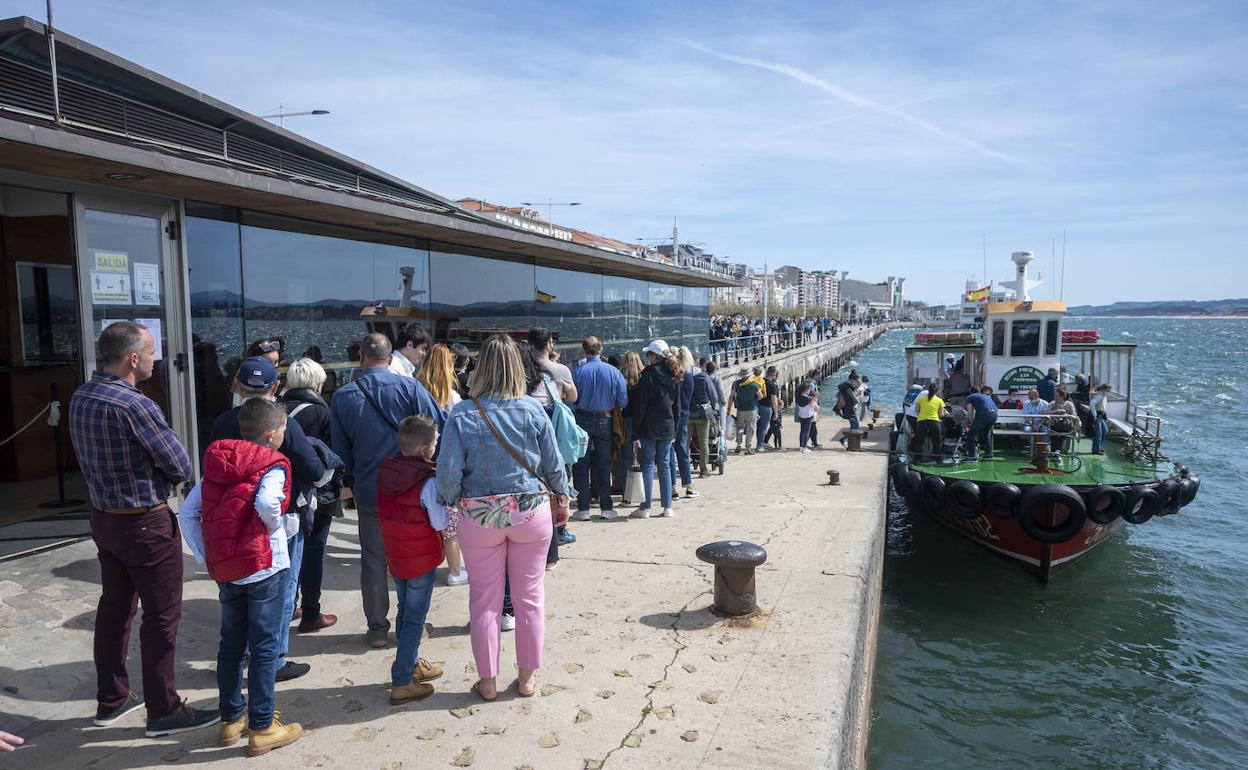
<point>1080,468</point>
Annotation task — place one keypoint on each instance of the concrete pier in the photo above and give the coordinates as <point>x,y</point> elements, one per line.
<point>637,672</point>
<point>828,356</point>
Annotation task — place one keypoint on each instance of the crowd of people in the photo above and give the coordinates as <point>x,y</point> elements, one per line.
<point>741,336</point>
<point>472,461</point>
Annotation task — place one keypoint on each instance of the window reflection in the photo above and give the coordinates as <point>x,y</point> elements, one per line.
<point>473,297</point>
<point>665,309</point>
<point>1025,338</point>
<point>569,302</point>
<point>625,314</point>
<point>695,314</point>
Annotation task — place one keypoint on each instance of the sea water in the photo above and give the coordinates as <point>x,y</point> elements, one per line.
<point>1137,655</point>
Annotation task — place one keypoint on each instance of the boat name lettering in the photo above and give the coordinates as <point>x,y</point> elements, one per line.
<point>980,526</point>
<point>1021,378</point>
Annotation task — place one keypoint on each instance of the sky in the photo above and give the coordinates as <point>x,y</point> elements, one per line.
<point>882,138</point>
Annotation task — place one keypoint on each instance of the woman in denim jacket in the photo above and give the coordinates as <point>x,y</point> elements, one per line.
<point>505,511</point>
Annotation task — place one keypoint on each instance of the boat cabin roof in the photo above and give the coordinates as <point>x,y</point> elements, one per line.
<point>1072,347</point>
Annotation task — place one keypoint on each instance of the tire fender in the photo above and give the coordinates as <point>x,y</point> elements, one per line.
<point>1168,497</point>
<point>1052,494</point>
<point>1105,503</point>
<point>1188,488</point>
<point>1142,504</point>
<point>932,492</point>
<point>962,497</point>
<point>1001,499</point>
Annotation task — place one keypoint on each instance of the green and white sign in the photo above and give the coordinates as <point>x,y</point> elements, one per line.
<point>1021,378</point>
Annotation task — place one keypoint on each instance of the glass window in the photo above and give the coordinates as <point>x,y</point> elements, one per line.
<point>215,271</point>
<point>998,338</point>
<point>625,314</point>
<point>1051,337</point>
<point>665,319</point>
<point>48,304</point>
<point>474,296</point>
<point>697,320</point>
<point>309,290</point>
<point>1025,339</point>
<point>570,303</point>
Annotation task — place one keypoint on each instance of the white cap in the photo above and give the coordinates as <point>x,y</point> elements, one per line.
<point>948,355</point>
<point>657,347</point>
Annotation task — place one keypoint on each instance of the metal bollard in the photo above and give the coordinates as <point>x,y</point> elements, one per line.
<point>734,562</point>
<point>834,478</point>
<point>855,440</point>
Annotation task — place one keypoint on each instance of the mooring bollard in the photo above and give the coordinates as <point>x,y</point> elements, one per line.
<point>855,440</point>
<point>734,562</point>
<point>834,478</point>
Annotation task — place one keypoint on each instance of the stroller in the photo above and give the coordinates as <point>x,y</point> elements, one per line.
<point>956,427</point>
<point>714,441</point>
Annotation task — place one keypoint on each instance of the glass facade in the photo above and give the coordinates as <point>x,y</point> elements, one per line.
<point>258,277</point>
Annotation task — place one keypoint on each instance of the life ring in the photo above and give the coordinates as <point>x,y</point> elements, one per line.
<point>1169,497</point>
<point>1001,499</point>
<point>931,492</point>
<point>1105,503</point>
<point>1188,488</point>
<point>962,498</point>
<point>1142,503</point>
<point>1056,495</point>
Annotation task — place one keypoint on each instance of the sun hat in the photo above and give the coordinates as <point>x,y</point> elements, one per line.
<point>657,347</point>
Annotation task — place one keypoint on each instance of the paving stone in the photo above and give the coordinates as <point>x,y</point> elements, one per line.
<point>548,741</point>
<point>689,735</point>
<point>464,758</point>
<point>710,696</point>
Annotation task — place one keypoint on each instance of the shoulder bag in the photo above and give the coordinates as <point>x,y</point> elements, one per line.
<point>514,454</point>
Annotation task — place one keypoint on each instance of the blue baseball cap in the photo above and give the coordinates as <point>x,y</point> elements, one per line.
<point>257,373</point>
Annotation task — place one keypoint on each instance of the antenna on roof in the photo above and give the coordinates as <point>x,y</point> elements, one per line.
<point>56,91</point>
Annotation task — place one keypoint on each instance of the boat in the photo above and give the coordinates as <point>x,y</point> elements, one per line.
<point>1038,508</point>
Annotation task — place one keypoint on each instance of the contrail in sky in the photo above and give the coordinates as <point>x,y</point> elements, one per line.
<point>857,100</point>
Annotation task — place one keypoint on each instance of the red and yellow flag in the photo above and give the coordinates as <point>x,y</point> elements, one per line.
<point>543,298</point>
<point>980,294</point>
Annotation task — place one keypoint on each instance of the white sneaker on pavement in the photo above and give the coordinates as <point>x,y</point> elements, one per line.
<point>667,513</point>
<point>457,579</point>
<point>642,512</point>
<point>609,514</point>
<point>508,622</point>
<point>582,515</point>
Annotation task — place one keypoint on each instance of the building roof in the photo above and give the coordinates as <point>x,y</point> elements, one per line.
<point>121,119</point>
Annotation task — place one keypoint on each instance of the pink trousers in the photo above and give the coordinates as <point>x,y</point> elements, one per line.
<point>518,553</point>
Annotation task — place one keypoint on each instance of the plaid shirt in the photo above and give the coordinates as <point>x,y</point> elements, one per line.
<point>127,452</point>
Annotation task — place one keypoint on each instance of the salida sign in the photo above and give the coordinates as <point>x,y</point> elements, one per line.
<point>1021,378</point>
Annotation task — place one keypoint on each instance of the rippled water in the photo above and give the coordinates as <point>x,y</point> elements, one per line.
<point>1137,656</point>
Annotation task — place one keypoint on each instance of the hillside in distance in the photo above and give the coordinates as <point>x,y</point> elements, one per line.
<point>1214,307</point>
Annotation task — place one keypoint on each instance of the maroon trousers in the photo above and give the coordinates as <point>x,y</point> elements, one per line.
<point>140,561</point>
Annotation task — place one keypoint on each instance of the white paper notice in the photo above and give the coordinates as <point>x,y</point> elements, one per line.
<point>111,261</point>
<point>110,288</point>
<point>146,284</point>
<point>151,324</point>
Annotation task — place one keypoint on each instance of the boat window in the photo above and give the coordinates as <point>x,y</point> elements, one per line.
<point>998,338</point>
<point>1025,339</point>
<point>1052,334</point>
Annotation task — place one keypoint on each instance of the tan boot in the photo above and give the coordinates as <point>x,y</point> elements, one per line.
<point>231,732</point>
<point>424,671</point>
<point>406,693</point>
<point>272,737</point>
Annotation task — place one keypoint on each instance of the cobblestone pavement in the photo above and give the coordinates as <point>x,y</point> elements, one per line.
<point>637,671</point>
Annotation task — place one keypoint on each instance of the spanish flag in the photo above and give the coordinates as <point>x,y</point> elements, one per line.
<point>979,295</point>
<point>543,298</point>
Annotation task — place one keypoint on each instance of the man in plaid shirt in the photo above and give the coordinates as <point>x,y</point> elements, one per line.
<point>131,460</point>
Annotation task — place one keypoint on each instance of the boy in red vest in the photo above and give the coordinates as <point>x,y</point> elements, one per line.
<point>234,521</point>
<point>411,520</point>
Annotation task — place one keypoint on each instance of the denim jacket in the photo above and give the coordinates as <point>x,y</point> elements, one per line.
<point>472,463</point>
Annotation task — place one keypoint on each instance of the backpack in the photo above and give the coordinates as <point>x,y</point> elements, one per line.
<point>701,390</point>
<point>572,440</point>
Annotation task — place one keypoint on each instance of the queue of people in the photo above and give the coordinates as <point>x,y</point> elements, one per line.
<point>734,337</point>
<point>442,466</point>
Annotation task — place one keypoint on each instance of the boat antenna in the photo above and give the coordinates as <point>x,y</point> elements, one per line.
<point>1062,291</point>
<point>1053,253</point>
<point>985,242</point>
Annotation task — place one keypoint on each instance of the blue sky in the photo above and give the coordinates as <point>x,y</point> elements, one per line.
<point>879,138</point>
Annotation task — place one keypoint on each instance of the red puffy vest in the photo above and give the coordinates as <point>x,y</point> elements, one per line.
<point>236,542</point>
<point>413,546</point>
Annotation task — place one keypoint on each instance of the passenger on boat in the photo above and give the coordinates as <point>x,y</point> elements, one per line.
<point>912,409</point>
<point>1065,421</point>
<point>1011,400</point>
<point>1035,406</point>
<point>1048,386</point>
<point>931,409</point>
<point>1100,419</point>
<point>983,413</point>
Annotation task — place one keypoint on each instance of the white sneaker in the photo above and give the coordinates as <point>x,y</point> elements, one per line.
<point>691,493</point>
<point>458,579</point>
<point>508,622</point>
<point>804,451</point>
<point>609,514</point>
<point>582,515</point>
<point>642,512</point>
<point>667,513</point>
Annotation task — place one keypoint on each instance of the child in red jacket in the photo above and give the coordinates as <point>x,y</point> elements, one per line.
<point>411,522</point>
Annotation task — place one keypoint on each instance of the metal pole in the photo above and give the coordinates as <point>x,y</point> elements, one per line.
<point>766,314</point>
<point>56,91</point>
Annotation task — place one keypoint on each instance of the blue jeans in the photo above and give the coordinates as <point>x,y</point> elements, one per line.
<point>803,435</point>
<point>678,459</point>
<point>654,451</point>
<point>598,458</point>
<point>294,546</point>
<point>626,454</point>
<point>414,594</point>
<point>253,619</point>
<point>312,571</point>
<point>1100,430</point>
<point>980,436</point>
<point>764,423</point>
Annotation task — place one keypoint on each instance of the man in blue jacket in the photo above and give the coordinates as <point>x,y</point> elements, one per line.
<point>257,378</point>
<point>364,422</point>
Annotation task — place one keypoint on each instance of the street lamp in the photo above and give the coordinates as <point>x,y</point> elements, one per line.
<point>550,206</point>
<point>281,114</point>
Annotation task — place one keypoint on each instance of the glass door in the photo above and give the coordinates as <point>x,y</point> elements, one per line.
<point>126,267</point>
